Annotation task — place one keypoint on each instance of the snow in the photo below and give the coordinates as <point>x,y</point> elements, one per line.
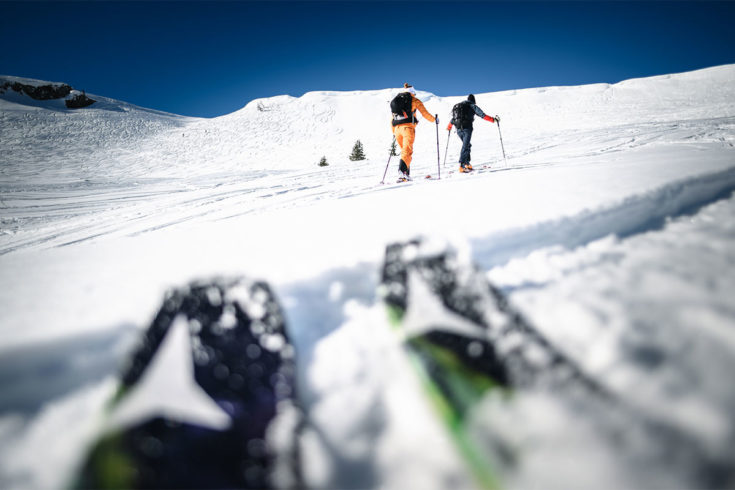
<point>610,227</point>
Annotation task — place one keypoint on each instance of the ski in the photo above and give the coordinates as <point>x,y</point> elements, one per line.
<point>477,170</point>
<point>441,322</point>
<point>467,344</point>
<point>472,350</point>
<point>203,397</point>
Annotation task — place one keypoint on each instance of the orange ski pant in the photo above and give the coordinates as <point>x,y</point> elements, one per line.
<point>405,134</point>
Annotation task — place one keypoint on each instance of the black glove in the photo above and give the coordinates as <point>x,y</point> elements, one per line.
<point>436,117</point>
<point>497,118</point>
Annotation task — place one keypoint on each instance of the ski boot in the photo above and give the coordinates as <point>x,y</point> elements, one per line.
<point>403,177</point>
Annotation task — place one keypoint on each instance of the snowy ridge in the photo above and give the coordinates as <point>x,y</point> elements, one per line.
<point>610,228</point>
<point>287,132</point>
<point>634,214</point>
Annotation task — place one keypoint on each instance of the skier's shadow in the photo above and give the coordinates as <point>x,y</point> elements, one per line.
<point>32,376</point>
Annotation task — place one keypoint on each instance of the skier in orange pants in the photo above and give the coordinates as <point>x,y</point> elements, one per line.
<point>404,107</point>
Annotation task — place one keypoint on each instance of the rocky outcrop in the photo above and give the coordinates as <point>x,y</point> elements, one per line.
<point>39,92</point>
<point>78,100</point>
<point>74,99</point>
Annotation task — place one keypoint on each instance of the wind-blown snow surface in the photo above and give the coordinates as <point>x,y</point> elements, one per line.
<point>611,227</point>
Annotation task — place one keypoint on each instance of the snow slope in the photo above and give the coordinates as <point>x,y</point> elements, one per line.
<point>610,226</point>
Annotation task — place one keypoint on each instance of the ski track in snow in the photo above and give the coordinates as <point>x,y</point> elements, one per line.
<point>609,227</point>
<point>69,215</point>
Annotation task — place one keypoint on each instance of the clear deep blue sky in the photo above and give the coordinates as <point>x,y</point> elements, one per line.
<point>211,58</point>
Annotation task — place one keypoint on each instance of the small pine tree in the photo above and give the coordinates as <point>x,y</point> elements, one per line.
<point>393,149</point>
<point>357,152</point>
<point>323,162</point>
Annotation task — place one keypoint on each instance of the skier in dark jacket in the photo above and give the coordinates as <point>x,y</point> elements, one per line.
<point>462,116</point>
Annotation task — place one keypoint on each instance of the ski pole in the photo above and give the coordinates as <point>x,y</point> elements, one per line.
<point>449,133</point>
<point>438,167</point>
<point>501,141</point>
<point>390,155</point>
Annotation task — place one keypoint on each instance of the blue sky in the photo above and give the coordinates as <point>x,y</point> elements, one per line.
<point>211,58</point>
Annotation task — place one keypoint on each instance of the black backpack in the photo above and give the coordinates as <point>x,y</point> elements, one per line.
<point>401,106</point>
<point>463,114</point>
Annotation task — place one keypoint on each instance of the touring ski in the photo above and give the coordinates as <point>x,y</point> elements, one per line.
<point>468,345</point>
<point>475,353</point>
<point>203,396</point>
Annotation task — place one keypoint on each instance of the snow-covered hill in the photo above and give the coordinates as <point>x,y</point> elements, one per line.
<point>610,226</point>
